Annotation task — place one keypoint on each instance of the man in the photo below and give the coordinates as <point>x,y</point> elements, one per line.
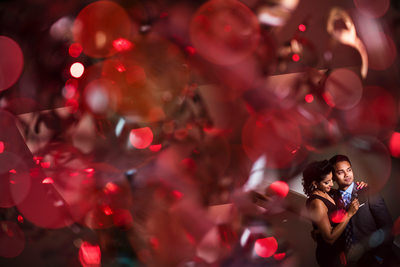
<point>369,239</point>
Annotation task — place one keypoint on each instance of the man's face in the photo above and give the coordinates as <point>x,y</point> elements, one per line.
<point>343,174</point>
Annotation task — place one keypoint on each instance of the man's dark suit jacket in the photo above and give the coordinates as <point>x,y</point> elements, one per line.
<point>371,227</point>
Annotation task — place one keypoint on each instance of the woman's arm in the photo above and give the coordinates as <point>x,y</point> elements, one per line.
<point>319,213</point>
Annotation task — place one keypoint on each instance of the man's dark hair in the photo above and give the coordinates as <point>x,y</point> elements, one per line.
<point>338,158</point>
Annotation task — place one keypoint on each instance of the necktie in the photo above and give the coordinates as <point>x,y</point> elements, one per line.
<point>346,198</point>
<point>348,231</point>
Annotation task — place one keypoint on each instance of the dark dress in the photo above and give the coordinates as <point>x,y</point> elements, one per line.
<point>328,255</point>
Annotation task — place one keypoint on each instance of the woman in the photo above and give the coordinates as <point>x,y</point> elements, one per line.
<point>325,215</point>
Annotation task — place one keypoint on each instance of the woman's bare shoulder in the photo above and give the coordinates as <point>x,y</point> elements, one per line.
<point>316,204</point>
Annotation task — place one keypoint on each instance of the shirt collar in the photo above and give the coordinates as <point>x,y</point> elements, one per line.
<point>349,190</point>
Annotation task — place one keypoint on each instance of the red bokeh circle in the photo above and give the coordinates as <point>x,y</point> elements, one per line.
<point>98,25</point>
<point>224,32</point>
<point>11,62</point>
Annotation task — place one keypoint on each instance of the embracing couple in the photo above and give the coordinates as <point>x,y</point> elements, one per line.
<point>351,227</point>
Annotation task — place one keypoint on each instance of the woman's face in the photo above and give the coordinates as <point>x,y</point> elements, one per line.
<point>326,184</point>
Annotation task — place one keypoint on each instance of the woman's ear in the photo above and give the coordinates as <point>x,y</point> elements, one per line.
<point>314,184</point>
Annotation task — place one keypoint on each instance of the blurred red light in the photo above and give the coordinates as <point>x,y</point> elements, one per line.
<point>344,88</point>
<point>191,50</point>
<point>302,27</point>
<point>89,170</point>
<point>107,210</point>
<point>11,62</point>
<point>20,219</point>
<point>141,138</point>
<point>279,256</point>
<point>77,70</point>
<point>394,145</point>
<point>155,148</point>
<point>280,188</point>
<point>70,88</point>
<point>111,188</point>
<point>75,50</point>
<point>89,255</point>
<point>98,25</point>
<point>309,98</point>
<point>177,194</point>
<point>189,164</point>
<point>121,44</point>
<point>1,147</point>
<point>328,99</point>
<point>338,216</point>
<point>120,67</point>
<point>72,104</point>
<point>154,242</point>
<point>122,218</point>
<point>213,37</point>
<point>266,247</point>
<point>47,180</point>
<point>295,57</point>
<point>45,165</point>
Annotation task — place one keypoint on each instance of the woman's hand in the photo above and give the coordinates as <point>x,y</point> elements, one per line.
<point>361,185</point>
<point>353,207</point>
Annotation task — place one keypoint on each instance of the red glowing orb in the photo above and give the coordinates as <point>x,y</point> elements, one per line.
<point>155,148</point>
<point>224,32</point>
<point>77,70</point>
<point>121,44</point>
<point>309,98</point>
<point>141,138</point>
<point>1,147</point>
<point>343,88</point>
<point>279,188</point>
<point>279,256</point>
<point>89,255</point>
<point>295,57</point>
<point>154,242</point>
<point>98,25</point>
<point>122,218</point>
<point>177,194</point>
<point>75,50</point>
<point>266,247</point>
<point>394,145</point>
<point>47,180</point>
<point>302,27</point>
<point>11,62</point>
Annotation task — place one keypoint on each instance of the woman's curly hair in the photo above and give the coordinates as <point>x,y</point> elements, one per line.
<point>315,171</point>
